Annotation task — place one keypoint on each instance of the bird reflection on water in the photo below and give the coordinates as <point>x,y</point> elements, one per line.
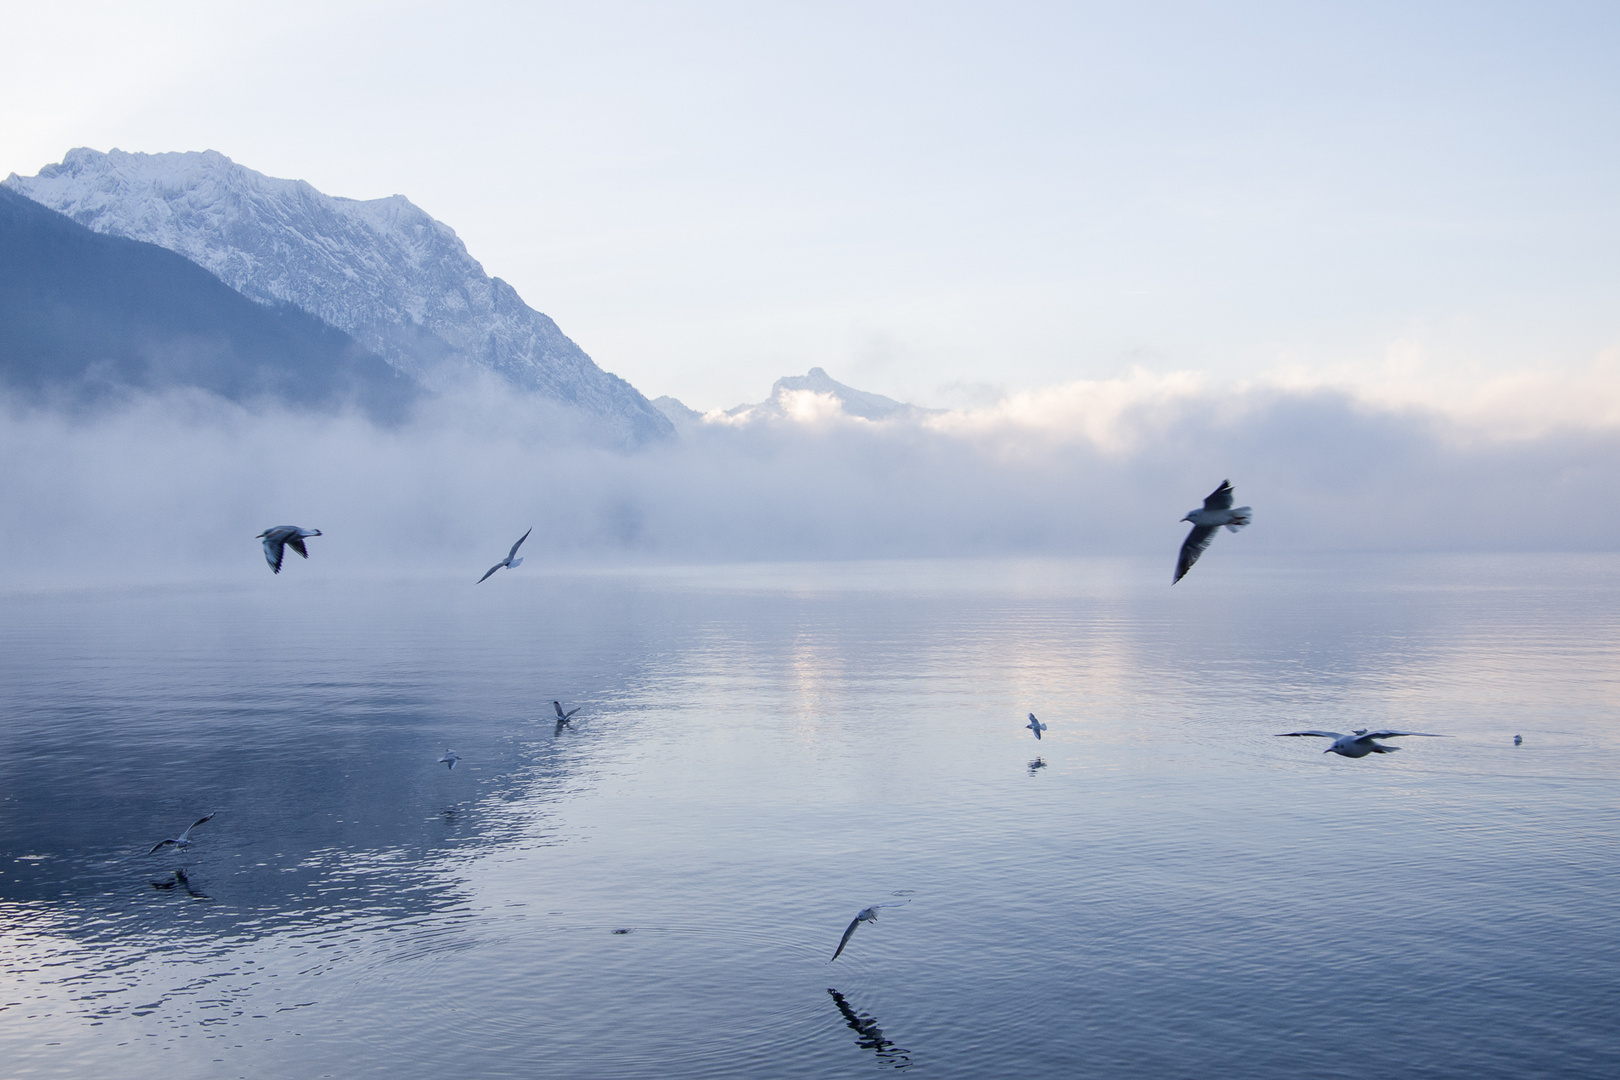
<point>179,878</point>
<point>1037,765</point>
<point>871,1036</point>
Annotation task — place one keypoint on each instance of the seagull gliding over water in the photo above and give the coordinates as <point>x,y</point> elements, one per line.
<point>1035,725</point>
<point>563,717</point>
<point>511,561</point>
<point>450,758</point>
<point>284,535</point>
<point>867,914</point>
<point>1359,743</point>
<point>181,841</point>
<point>1217,511</point>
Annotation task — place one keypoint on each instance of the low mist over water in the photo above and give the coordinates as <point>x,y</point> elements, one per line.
<point>170,487</point>
<point>1159,887</point>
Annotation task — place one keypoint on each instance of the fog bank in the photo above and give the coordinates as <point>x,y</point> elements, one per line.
<point>175,486</point>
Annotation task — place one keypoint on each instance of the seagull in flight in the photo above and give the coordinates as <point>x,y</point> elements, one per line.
<point>181,841</point>
<point>563,717</point>
<point>867,914</point>
<point>1217,511</point>
<point>1359,743</point>
<point>511,561</point>
<point>1035,725</point>
<point>284,536</point>
<point>1518,740</point>
<point>450,758</point>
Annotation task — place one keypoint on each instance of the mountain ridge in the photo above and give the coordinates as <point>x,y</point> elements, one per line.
<point>85,316</point>
<point>382,270</point>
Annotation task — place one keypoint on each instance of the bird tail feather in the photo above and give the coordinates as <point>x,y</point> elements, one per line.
<point>1240,517</point>
<point>515,563</point>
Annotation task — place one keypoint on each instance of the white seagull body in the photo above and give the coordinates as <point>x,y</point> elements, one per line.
<point>563,717</point>
<point>511,561</point>
<point>450,758</point>
<point>181,841</point>
<point>1035,725</point>
<point>1217,511</point>
<point>284,536</point>
<point>1359,743</point>
<point>867,914</point>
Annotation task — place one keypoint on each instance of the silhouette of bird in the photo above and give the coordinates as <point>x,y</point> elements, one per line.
<point>450,758</point>
<point>1359,743</point>
<point>284,536</point>
<point>511,561</point>
<point>183,840</point>
<point>179,878</point>
<point>1035,725</point>
<point>1217,511</point>
<point>1518,739</point>
<point>867,914</point>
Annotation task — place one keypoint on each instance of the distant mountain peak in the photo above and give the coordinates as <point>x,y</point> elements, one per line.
<point>383,270</point>
<point>787,400</point>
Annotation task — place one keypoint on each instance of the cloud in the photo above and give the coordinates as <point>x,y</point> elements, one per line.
<point>175,486</point>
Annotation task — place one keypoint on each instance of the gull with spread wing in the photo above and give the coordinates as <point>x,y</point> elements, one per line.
<point>1035,725</point>
<point>563,717</point>
<point>181,841</point>
<point>1359,743</point>
<point>284,536</point>
<point>450,758</point>
<point>511,561</point>
<point>867,914</point>
<point>1217,511</point>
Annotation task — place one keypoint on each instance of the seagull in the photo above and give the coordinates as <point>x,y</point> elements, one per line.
<point>1517,739</point>
<point>867,914</point>
<point>1035,725</point>
<point>1217,511</point>
<point>1359,743</point>
<point>563,717</point>
<point>289,535</point>
<point>450,758</point>
<point>511,561</point>
<point>181,841</point>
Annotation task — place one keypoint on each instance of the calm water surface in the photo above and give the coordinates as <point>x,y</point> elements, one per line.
<point>762,751</point>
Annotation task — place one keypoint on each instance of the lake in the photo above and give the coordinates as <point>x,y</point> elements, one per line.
<point>1157,888</point>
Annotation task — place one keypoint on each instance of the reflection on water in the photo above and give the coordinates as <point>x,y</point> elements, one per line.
<point>1177,895</point>
<point>869,1036</point>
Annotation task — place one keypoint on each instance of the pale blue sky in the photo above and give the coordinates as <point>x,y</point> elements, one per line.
<point>930,199</point>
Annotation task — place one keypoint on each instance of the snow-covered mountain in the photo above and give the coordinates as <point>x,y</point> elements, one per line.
<point>800,396</point>
<point>398,281</point>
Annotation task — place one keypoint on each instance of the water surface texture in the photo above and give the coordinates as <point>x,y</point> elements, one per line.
<point>1158,888</point>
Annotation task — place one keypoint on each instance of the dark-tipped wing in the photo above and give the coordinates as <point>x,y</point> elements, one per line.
<point>194,824</point>
<point>572,711</point>
<point>1192,547</point>
<point>853,923</point>
<point>1320,734</point>
<point>488,572</point>
<point>272,553</point>
<point>525,536</point>
<point>297,544</point>
<point>558,706</point>
<point>1394,734</point>
<point>1220,498</point>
